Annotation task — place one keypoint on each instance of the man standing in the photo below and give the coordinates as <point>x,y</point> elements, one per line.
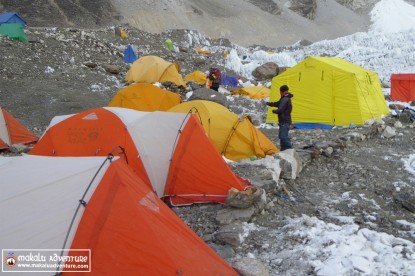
<point>284,108</point>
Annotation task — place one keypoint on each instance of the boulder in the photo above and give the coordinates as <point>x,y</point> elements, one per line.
<point>209,95</point>
<point>249,267</point>
<point>229,234</point>
<point>266,71</point>
<point>290,163</point>
<point>245,199</point>
<point>111,68</point>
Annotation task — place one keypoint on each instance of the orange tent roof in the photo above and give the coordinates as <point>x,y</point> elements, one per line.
<point>96,132</point>
<point>145,97</point>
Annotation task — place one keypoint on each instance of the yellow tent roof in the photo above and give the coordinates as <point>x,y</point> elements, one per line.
<point>154,69</point>
<point>145,97</point>
<point>196,76</point>
<point>330,91</point>
<point>254,92</point>
<point>234,137</point>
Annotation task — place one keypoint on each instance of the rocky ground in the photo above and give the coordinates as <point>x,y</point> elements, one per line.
<point>346,172</point>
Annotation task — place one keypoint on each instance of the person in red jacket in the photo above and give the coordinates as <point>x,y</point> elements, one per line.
<point>214,78</point>
<point>284,109</point>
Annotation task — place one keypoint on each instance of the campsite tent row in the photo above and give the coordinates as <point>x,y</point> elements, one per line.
<point>169,151</point>
<point>109,199</point>
<point>235,138</point>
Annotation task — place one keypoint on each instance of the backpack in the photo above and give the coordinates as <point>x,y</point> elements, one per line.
<point>215,71</point>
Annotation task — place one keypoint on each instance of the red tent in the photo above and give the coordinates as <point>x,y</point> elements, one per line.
<point>403,87</point>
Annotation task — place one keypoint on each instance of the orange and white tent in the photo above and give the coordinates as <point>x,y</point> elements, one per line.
<point>12,132</point>
<point>145,97</point>
<point>100,204</point>
<point>171,150</point>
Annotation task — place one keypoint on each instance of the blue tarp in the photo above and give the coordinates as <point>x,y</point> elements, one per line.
<point>311,126</point>
<point>129,55</point>
<point>231,81</point>
<point>12,17</point>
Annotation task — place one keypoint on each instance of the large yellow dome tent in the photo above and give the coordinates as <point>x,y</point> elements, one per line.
<point>145,97</point>
<point>154,69</point>
<point>234,137</point>
<point>330,92</point>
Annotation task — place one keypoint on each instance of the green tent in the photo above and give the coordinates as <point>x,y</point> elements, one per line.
<point>169,44</point>
<point>14,31</point>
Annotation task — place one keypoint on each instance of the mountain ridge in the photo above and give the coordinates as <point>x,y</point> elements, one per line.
<point>244,22</point>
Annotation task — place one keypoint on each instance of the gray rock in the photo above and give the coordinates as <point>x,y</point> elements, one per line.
<point>389,132</point>
<point>407,200</point>
<point>245,199</point>
<point>250,267</point>
<point>229,234</point>
<point>229,215</point>
<point>291,164</point>
<point>209,95</point>
<point>111,68</point>
<point>225,251</point>
<point>266,71</point>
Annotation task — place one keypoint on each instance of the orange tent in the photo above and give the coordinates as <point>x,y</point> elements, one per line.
<point>172,149</point>
<point>12,132</point>
<point>403,87</point>
<point>153,69</point>
<point>145,97</point>
<point>98,204</point>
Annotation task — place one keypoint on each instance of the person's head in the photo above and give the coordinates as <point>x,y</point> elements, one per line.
<point>284,90</point>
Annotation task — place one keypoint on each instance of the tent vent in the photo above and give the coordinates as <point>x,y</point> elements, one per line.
<point>322,75</point>
<point>299,76</point>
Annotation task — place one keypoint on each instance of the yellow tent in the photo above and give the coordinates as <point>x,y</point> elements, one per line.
<point>145,97</point>
<point>196,76</point>
<point>200,51</point>
<point>254,92</point>
<point>234,137</point>
<point>330,91</point>
<point>153,69</point>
